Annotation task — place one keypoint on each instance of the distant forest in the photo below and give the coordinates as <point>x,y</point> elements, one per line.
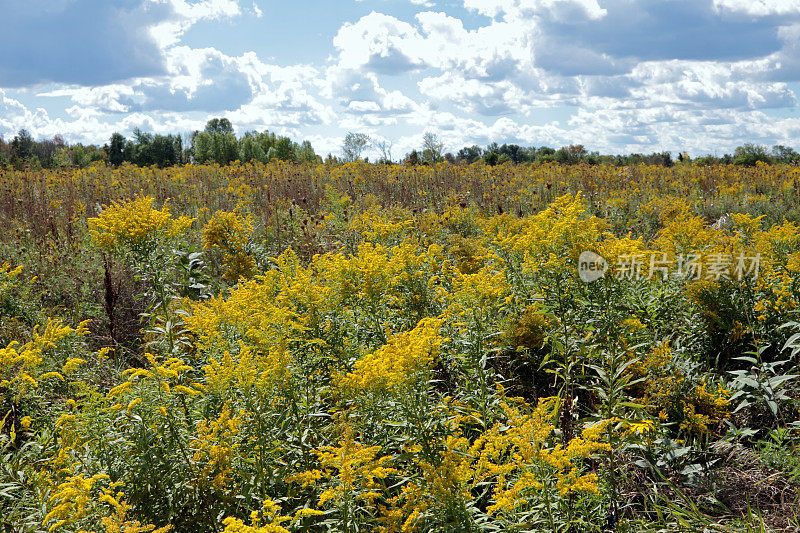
<point>218,144</point>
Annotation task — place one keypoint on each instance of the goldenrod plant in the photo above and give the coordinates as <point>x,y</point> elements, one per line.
<point>350,347</point>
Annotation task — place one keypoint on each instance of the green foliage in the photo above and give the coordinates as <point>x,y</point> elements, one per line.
<point>395,353</point>
<point>433,148</point>
<point>116,149</point>
<point>354,145</point>
<point>216,147</point>
<point>749,154</point>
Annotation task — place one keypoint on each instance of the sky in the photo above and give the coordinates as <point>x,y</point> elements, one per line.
<point>618,76</point>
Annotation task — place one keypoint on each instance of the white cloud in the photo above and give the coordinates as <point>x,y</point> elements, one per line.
<point>110,98</point>
<point>628,75</point>
<point>559,9</point>
<point>475,96</point>
<point>12,115</point>
<point>68,41</point>
<point>185,14</point>
<point>380,43</point>
<point>760,7</point>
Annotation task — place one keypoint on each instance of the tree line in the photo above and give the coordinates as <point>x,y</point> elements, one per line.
<point>494,154</point>
<point>433,151</point>
<point>217,143</point>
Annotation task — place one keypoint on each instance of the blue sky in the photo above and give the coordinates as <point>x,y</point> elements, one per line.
<point>615,75</point>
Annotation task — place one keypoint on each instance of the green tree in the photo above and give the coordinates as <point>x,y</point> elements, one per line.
<point>305,153</point>
<point>574,153</point>
<point>470,154</point>
<point>4,153</point>
<point>491,158</point>
<point>354,145</point>
<point>22,147</point>
<point>545,153</point>
<point>785,154</point>
<point>251,149</point>
<point>749,154</point>
<point>284,149</point>
<point>432,148</point>
<point>219,125</point>
<point>203,148</point>
<point>215,148</point>
<point>116,149</point>
<point>413,158</point>
<point>46,149</point>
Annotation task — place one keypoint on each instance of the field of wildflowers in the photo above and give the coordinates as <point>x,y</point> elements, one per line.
<point>284,347</point>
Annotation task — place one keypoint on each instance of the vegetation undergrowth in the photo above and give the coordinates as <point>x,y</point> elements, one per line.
<point>284,347</point>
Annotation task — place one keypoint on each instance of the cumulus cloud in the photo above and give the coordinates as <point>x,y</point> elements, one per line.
<point>12,114</point>
<point>379,43</point>
<point>759,7</point>
<point>90,42</point>
<point>360,92</point>
<point>554,8</point>
<point>94,42</point>
<point>184,14</point>
<point>615,75</point>
<point>115,98</point>
<point>200,79</point>
<point>475,96</point>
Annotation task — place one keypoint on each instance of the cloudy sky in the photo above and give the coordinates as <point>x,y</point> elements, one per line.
<point>615,75</point>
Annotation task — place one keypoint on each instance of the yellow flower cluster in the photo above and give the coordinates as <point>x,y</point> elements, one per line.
<point>214,448</point>
<point>271,518</point>
<point>8,279</point>
<point>368,316</point>
<point>355,468</point>
<point>399,363</point>
<point>79,497</point>
<point>20,365</point>
<point>694,405</point>
<point>70,500</point>
<point>230,233</point>
<point>135,225</point>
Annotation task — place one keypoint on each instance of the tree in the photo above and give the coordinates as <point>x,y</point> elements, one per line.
<point>216,143</point>
<point>749,154</point>
<point>412,158</point>
<point>785,154</point>
<point>219,125</point>
<point>305,152</point>
<point>46,149</point>
<point>5,149</point>
<point>513,152</point>
<point>574,153</point>
<point>284,149</point>
<point>385,147</point>
<point>354,144</point>
<point>251,149</point>
<point>203,148</point>
<point>432,148</point>
<point>491,158</point>
<point>255,146</point>
<point>22,146</point>
<point>470,154</point>
<point>545,153</point>
<point>165,150</point>
<point>116,149</point>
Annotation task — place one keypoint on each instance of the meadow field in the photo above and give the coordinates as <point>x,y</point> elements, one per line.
<point>360,347</point>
